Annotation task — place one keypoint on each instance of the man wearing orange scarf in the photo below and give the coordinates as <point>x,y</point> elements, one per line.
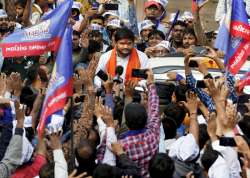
<point>124,54</point>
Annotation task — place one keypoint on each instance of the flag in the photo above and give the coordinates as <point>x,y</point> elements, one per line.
<point>60,84</point>
<point>245,80</point>
<point>39,38</point>
<point>234,37</point>
<point>196,4</point>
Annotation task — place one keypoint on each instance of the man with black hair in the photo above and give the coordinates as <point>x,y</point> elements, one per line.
<point>124,54</point>
<point>141,142</point>
<point>161,165</point>
<point>177,35</point>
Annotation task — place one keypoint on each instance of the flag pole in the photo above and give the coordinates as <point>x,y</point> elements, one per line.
<point>72,165</point>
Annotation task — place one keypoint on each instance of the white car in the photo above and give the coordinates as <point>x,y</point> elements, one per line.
<point>161,66</point>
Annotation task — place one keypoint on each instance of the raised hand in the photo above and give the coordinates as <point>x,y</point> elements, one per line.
<point>192,102</point>
<point>99,108</point>
<point>108,85</point>
<point>20,113</point>
<point>108,117</point>
<point>55,140</point>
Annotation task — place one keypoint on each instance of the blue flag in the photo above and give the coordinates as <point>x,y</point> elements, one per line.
<point>39,38</point>
<point>234,37</point>
<point>60,85</point>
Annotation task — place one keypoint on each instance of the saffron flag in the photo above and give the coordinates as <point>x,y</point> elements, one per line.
<point>40,38</point>
<point>196,4</point>
<point>60,84</point>
<point>234,37</point>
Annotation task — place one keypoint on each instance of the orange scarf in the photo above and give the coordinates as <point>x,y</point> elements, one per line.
<point>133,63</point>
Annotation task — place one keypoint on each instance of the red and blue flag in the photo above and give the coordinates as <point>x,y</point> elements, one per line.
<point>40,38</point>
<point>196,4</point>
<point>60,84</point>
<point>234,37</point>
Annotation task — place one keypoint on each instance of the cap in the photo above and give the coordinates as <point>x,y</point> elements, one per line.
<point>113,13</point>
<point>145,24</point>
<point>151,3</point>
<point>157,3</point>
<point>3,14</point>
<point>114,23</point>
<point>187,15</point>
<point>164,44</point>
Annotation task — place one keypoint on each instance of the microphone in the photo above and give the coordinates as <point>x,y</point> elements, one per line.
<point>118,72</point>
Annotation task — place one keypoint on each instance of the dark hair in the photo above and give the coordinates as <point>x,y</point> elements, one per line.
<point>161,166</point>
<point>94,47</point>
<point>1,5</point>
<point>105,171</point>
<point>136,116</point>
<point>95,33</point>
<point>176,112</point>
<point>86,160</point>
<point>124,33</point>
<point>244,125</point>
<point>170,127</point>
<point>22,3</point>
<point>96,16</point>
<point>209,157</point>
<point>47,171</point>
<point>76,33</point>
<point>181,23</point>
<point>32,74</point>
<point>203,135</point>
<point>157,32</point>
<point>180,92</point>
<point>190,31</point>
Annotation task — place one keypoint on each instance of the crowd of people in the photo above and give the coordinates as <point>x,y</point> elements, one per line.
<point>120,121</point>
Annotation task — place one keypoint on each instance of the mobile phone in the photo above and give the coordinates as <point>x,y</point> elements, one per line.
<point>113,7</point>
<point>140,73</point>
<point>200,84</point>
<point>193,63</point>
<point>227,141</point>
<point>102,75</point>
<point>199,50</point>
<point>79,99</point>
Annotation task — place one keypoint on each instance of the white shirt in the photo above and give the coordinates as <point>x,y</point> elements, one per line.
<point>231,158</point>
<point>109,158</point>
<point>61,167</point>
<point>119,62</point>
<point>219,169</point>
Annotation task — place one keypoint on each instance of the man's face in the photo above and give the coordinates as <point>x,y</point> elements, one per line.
<point>124,47</point>
<point>188,40</point>
<point>154,40</point>
<point>97,38</point>
<point>19,10</point>
<point>152,12</point>
<point>145,33</point>
<point>178,33</point>
<point>97,21</point>
<point>75,42</point>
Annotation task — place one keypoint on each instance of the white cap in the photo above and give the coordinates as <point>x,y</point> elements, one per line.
<point>113,13</point>
<point>187,15</point>
<point>164,44</point>
<point>114,23</point>
<point>246,89</point>
<point>76,5</point>
<point>3,14</point>
<point>145,24</point>
<point>95,27</point>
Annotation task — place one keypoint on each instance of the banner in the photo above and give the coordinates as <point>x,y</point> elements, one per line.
<point>40,38</point>
<point>60,85</point>
<point>245,80</point>
<point>234,37</point>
